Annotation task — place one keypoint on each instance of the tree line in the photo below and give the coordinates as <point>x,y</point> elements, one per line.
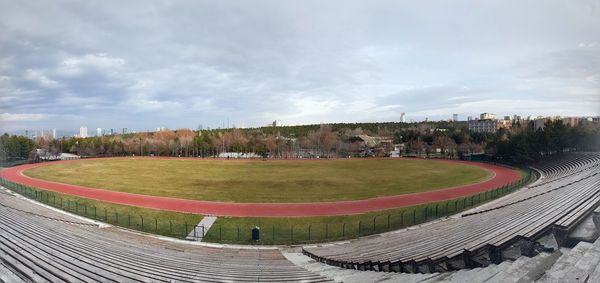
<point>442,139</point>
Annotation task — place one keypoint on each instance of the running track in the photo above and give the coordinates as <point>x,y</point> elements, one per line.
<point>501,177</point>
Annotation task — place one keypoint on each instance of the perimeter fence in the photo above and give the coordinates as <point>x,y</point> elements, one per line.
<point>284,231</point>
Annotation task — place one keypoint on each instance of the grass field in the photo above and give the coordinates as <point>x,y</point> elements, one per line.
<point>281,230</point>
<point>263,181</point>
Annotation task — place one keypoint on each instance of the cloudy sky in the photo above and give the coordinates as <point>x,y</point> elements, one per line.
<point>148,64</point>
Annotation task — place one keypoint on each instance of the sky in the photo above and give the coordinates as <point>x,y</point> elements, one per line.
<point>180,64</point>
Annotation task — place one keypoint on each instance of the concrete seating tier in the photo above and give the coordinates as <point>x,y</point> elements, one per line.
<point>40,245</point>
<point>482,235</point>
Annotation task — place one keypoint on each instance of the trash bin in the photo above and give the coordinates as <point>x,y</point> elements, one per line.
<point>256,233</point>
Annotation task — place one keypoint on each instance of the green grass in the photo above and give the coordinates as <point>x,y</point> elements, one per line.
<point>263,181</point>
<point>167,223</point>
<point>237,230</point>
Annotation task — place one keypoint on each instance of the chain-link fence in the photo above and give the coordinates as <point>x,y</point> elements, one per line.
<point>272,230</point>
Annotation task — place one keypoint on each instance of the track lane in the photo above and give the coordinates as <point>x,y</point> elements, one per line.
<point>502,176</point>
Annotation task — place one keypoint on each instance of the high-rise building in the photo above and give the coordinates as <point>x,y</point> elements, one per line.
<point>124,131</point>
<point>455,117</point>
<point>83,132</point>
<point>99,132</point>
<point>54,133</point>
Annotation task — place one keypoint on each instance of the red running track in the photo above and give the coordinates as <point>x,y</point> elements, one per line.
<point>501,177</point>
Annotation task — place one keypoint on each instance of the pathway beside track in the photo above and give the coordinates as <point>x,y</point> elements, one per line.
<point>502,176</point>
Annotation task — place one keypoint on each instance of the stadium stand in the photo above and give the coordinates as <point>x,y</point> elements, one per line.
<point>567,193</point>
<point>41,245</point>
<point>483,244</point>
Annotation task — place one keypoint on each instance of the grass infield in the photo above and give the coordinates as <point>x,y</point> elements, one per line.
<point>281,230</point>
<point>263,181</point>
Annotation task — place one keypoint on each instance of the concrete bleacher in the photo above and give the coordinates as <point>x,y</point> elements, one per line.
<point>41,245</point>
<point>483,244</point>
<point>568,192</point>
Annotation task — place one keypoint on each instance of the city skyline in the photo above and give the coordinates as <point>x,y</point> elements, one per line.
<point>185,64</point>
<point>103,131</point>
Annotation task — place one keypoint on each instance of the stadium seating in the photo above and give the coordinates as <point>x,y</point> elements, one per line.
<point>568,191</point>
<point>40,245</point>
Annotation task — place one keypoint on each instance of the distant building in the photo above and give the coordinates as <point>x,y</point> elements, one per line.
<point>487,116</point>
<point>54,133</point>
<point>403,117</point>
<point>540,122</point>
<point>483,126</point>
<point>83,132</point>
<point>99,132</point>
<point>454,117</point>
<point>124,131</point>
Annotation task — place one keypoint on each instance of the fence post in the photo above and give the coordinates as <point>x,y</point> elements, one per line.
<point>388,221</point>
<point>344,230</point>
<point>220,232</point>
<point>374,223</point>
<point>436,209</point>
<point>359,228</point>
<point>309,232</point>
<point>117,217</point>
<point>105,215</point>
<point>155,225</point>
<point>326,230</point>
<point>414,216</point>
<point>238,232</point>
<point>273,232</point>
<point>142,220</point>
<point>85,209</point>
<point>76,207</point>
<point>402,218</point>
<point>170,227</point>
<point>128,220</point>
<point>95,212</point>
<point>292,232</point>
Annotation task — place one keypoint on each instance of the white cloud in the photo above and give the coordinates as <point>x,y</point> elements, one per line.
<point>75,66</point>
<point>21,117</point>
<point>142,65</point>
<point>40,78</point>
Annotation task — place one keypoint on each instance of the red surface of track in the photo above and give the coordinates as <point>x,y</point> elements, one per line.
<point>502,176</point>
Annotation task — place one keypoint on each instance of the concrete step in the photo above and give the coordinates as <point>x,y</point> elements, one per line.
<point>595,276</point>
<point>354,276</point>
<point>522,267</point>
<point>585,231</point>
<point>568,259</point>
<point>585,266</point>
<point>198,233</point>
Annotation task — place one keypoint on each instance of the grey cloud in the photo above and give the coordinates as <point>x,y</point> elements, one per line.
<point>140,64</point>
